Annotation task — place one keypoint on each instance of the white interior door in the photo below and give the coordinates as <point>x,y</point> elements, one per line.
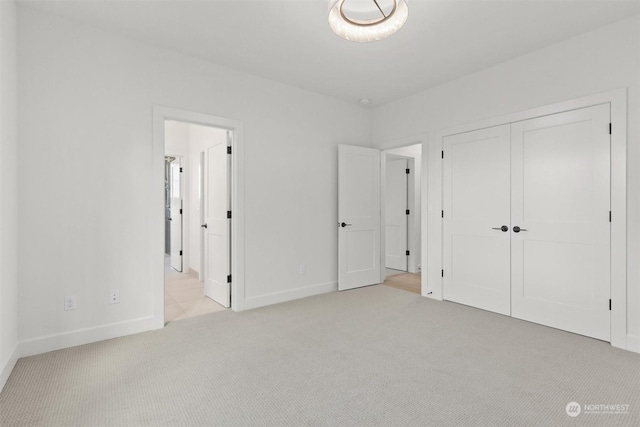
<point>396,214</point>
<point>175,215</point>
<point>560,199</point>
<point>358,217</point>
<point>216,225</point>
<point>476,246</point>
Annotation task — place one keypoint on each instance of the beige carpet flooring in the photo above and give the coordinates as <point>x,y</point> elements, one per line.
<point>376,356</point>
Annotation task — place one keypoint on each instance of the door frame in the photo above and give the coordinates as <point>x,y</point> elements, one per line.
<point>156,216</point>
<point>427,216</point>
<point>618,101</point>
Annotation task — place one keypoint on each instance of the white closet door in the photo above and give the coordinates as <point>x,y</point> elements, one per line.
<point>476,205</point>
<point>396,214</point>
<point>560,198</point>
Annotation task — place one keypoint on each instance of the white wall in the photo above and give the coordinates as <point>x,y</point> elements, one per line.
<point>415,233</point>
<point>8,192</point>
<point>85,103</point>
<point>602,60</point>
<point>176,138</point>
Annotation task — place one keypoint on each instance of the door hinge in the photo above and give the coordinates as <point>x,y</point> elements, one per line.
<point>407,170</point>
<point>407,211</point>
<point>229,278</point>
<point>180,169</point>
<point>609,304</point>
<point>610,128</point>
<point>228,149</point>
<point>442,273</point>
<point>180,253</point>
<point>609,216</point>
<point>407,253</point>
<point>180,211</point>
<point>443,154</point>
<point>229,214</point>
<point>442,214</point>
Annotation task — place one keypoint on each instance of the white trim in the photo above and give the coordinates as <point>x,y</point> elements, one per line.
<point>633,343</point>
<point>8,367</point>
<point>289,295</point>
<point>412,260</point>
<point>53,342</point>
<point>618,100</point>
<point>560,107</point>
<point>431,205</point>
<point>160,114</point>
<point>383,216</point>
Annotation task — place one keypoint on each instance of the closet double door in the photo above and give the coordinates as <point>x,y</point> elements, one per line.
<point>526,221</point>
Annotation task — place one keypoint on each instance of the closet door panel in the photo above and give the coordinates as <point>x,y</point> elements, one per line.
<point>560,190</point>
<point>476,205</point>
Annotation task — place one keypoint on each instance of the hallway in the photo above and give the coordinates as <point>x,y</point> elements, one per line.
<point>184,296</point>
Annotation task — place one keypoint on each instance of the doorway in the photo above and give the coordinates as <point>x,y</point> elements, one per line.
<point>161,115</point>
<point>403,219</point>
<point>376,246</point>
<point>198,220</point>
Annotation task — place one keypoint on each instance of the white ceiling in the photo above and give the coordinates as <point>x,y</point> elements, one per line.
<point>290,41</point>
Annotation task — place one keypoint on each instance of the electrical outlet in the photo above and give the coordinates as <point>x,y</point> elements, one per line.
<point>114,296</point>
<point>302,269</point>
<point>70,303</point>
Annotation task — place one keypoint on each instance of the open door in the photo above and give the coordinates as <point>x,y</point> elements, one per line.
<point>217,224</point>
<point>396,211</point>
<point>358,217</point>
<point>175,215</point>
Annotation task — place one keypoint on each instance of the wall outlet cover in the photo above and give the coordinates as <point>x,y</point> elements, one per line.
<point>114,296</point>
<point>70,302</point>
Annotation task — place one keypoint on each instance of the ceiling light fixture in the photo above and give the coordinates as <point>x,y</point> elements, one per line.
<point>353,20</point>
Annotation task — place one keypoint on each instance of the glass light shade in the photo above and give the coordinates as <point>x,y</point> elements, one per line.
<point>369,30</point>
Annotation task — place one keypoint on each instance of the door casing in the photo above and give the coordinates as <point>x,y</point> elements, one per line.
<point>156,208</point>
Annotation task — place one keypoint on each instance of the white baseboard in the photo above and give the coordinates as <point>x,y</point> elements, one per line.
<point>8,367</point>
<point>53,342</point>
<point>290,295</point>
<point>633,343</point>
